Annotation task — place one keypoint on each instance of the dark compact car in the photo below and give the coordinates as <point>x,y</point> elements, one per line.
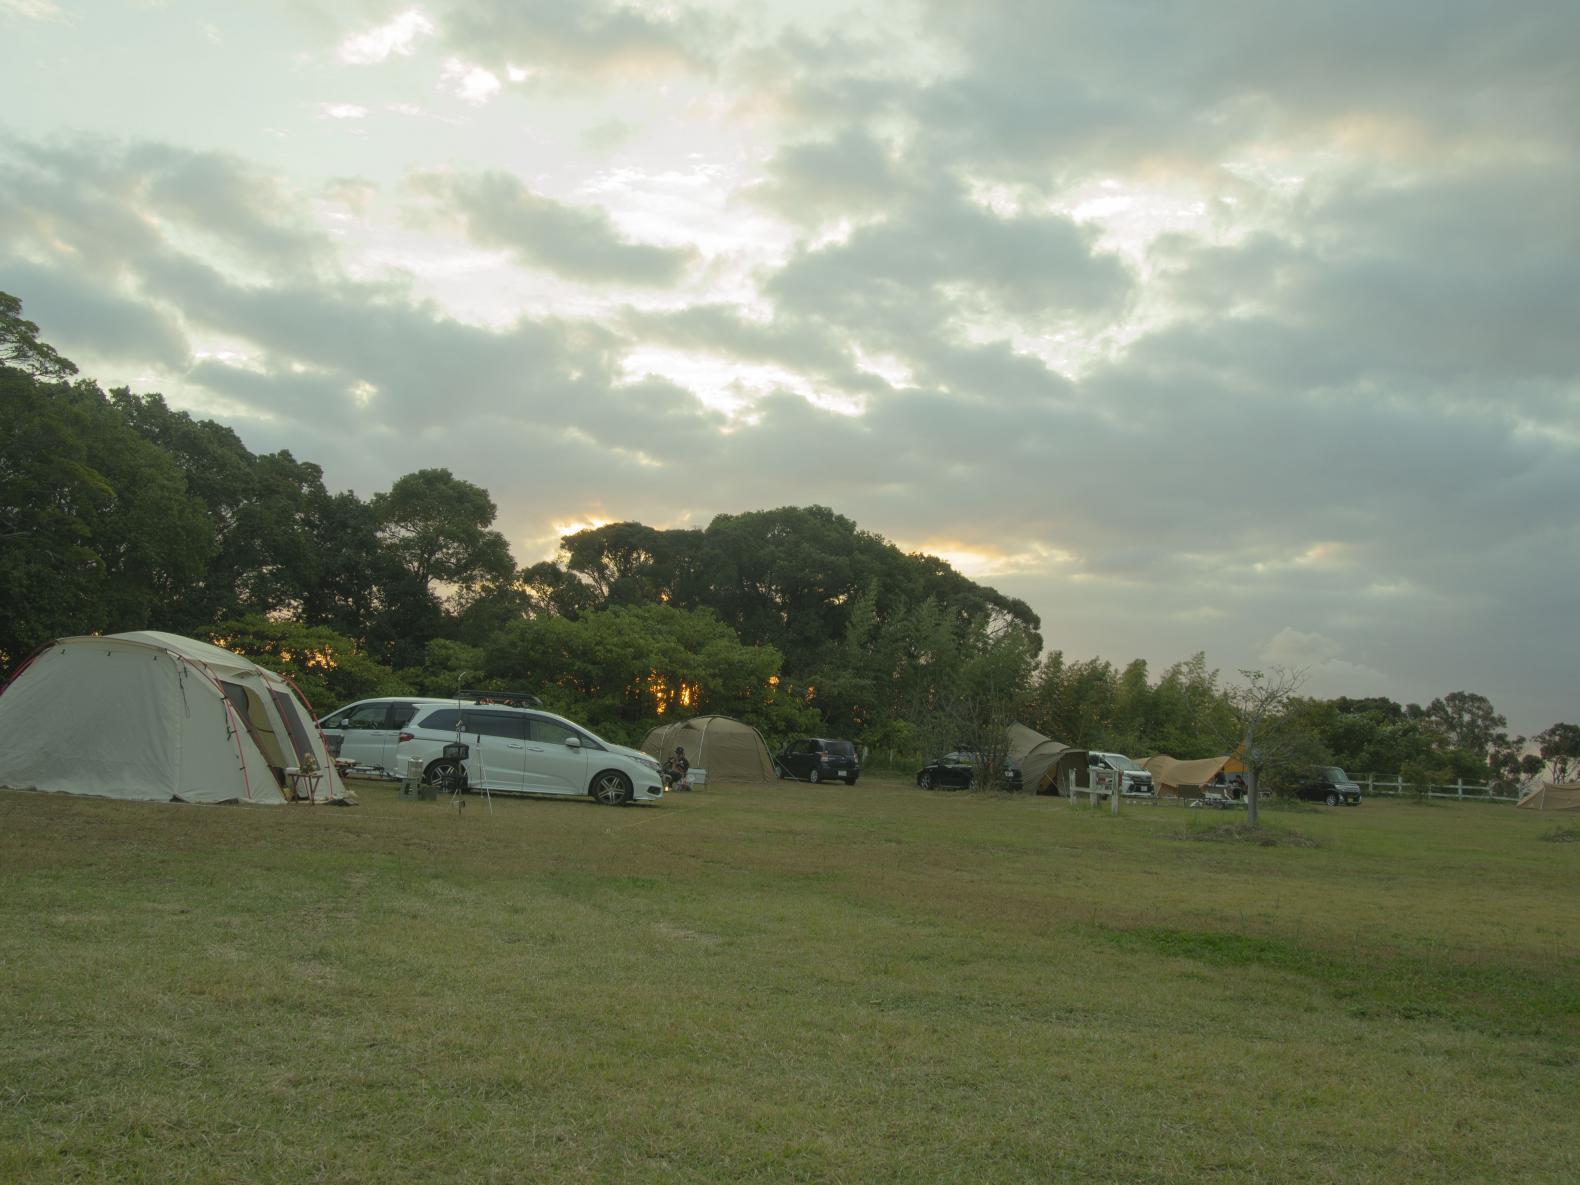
<point>1331,785</point>
<point>957,770</point>
<point>819,759</point>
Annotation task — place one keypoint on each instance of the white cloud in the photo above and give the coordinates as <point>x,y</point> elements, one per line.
<point>33,10</point>
<point>398,37</point>
<point>342,111</point>
<point>471,84</point>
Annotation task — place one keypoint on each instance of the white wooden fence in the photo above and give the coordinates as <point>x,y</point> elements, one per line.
<point>1463,791</point>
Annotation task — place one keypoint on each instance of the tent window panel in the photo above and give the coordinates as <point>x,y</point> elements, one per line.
<point>256,721</point>
<point>300,741</point>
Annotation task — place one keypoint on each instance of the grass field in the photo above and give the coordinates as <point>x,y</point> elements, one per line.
<point>791,983</point>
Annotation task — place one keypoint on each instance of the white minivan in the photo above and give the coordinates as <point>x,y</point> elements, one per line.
<point>1134,779</point>
<point>366,731</point>
<point>526,751</point>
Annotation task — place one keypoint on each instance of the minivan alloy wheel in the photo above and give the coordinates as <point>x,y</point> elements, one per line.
<point>612,788</point>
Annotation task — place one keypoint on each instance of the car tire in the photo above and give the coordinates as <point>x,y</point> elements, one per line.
<point>924,780</point>
<point>611,788</point>
<point>440,773</point>
<point>1333,799</point>
<point>814,777</point>
<point>852,782</point>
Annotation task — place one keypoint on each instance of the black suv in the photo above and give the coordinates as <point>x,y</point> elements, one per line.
<point>819,759</point>
<point>1331,785</point>
<point>957,770</point>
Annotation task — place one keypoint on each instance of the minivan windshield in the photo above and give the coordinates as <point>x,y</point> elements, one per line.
<point>1118,761</point>
<point>1335,774</point>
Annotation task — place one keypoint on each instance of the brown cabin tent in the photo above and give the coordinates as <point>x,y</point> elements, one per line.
<point>1053,768</point>
<point>1187,778</point>
<point>1020,740</point>
<point>1553,796</point>
<point>1037,765</point>
<point>728,750</point>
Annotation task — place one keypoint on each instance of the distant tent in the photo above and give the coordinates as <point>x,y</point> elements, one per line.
<point>156,716</point>
<point>1055,768</point>
<point>1173,776</point>
<point>1020,740</point>
<point>1038,766</point>
<point>1553,796</point>
<point>729,750</point>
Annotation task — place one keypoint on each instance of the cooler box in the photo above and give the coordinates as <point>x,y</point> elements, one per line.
<point>697,776</point>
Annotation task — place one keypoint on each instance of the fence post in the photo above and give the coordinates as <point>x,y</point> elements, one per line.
<point>1459,787</point>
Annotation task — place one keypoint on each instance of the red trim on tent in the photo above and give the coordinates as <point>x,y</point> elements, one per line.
<point>26,662</point>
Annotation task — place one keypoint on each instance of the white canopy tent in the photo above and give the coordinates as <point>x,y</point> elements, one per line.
<point>157,716</point>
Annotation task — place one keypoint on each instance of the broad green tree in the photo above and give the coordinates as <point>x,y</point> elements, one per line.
<point>1559,746</point>
<point>20,348</point>
<point>327,667</point>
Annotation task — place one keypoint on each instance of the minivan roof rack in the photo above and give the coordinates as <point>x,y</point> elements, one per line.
<point>511,699</point>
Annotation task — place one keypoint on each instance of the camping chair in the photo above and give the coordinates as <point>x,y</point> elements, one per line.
<point>452,777</point>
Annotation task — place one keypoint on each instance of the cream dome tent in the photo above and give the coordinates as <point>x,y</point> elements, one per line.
<point>1553,796</point>
<point>156,716</point>
<point>727,749</point>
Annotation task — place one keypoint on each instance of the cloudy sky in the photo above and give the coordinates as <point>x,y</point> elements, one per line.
<point>1220,325</point>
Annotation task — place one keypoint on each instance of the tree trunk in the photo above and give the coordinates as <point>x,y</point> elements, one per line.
<point>1251,791</point>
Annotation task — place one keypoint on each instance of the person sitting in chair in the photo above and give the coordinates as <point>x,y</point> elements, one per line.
<point>676,770</point>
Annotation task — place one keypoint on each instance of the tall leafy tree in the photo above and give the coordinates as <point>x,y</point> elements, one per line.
<point>434,528</point>
<point>262,510</point>
<point>437,527</point>
<point>624,669</point>
<point>21,349</point>
<point>1559,746</point>
<point>50,496</point>
<point>988,692</point>
<point>328,668</point>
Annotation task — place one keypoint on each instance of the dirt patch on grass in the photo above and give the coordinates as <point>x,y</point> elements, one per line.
<point>1244,833</point>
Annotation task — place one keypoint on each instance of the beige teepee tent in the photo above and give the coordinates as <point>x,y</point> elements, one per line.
<point>727,749</point>
<point>1551,796</point>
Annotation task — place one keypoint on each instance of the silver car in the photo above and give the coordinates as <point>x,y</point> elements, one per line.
<point>525,751</point>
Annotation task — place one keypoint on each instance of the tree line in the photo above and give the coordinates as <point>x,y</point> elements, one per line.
<point>118,512</point>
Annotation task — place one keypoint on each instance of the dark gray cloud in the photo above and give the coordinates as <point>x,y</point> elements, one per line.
<point>579,243</point>
<point>1060,89</point>
<point>94,195</point>
<point>941,255</point>
<point>848,174</point>
<point>1334,418</point>
<point>82,311</point>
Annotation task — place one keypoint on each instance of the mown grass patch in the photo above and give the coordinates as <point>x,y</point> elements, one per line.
<point>1265,835</point>
<point>788,983</point>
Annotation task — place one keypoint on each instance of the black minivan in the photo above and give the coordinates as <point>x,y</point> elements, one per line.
<point>1329,784</point>
<point>819,759</point>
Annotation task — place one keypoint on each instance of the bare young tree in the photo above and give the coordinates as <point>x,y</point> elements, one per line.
<point>1258,707</point>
